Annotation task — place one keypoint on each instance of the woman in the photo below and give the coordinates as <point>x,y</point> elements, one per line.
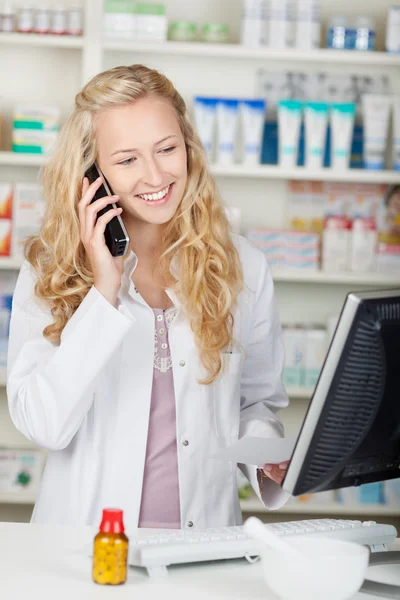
<point>134,371</point>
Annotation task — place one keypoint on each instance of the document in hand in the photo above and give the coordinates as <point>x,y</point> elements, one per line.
<point>258,451</point>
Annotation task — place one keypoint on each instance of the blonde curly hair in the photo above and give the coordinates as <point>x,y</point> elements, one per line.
<point>210,274</point>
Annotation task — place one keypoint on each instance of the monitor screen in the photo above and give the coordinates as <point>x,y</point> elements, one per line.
<point>351,432</point>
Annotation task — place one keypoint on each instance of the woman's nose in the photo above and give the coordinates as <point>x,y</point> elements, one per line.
<point>152,174</point>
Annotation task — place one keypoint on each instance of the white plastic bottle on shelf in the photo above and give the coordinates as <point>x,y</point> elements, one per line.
<point>25,19</point>
<point>41,23</point>
<point>393,30</point>
<point>7,16</point>
<point>308,24</point>
<point>74,20</point>
<point>254,28</point>
<point>58,20</point>
<point>281,24</point>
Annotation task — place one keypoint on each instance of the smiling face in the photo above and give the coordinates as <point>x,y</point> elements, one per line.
<point>142,153</point>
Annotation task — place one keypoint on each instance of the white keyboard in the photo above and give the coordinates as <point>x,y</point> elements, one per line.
<point>156,552</point>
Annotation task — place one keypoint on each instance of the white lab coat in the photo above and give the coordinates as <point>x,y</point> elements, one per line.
<point>87,401</point>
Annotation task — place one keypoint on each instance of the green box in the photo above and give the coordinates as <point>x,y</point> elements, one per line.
<point>120,6</point>
<point>150,9</point>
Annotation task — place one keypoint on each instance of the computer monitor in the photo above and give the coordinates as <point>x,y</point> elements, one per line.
<point>351,432</point>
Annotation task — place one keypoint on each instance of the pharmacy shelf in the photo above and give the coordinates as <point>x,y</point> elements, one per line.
<point>250,172</point>
<point>37,40</point>
<point>303,174</point>
<point>238,51</point>
<point>391,279</point>
<point>253,505</point>
<point>296,393</point>
<point>10,264</point>
<point>17,498</point>
<point>21,159</point>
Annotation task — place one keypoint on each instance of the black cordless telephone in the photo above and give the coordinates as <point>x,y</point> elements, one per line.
<point>116,236</point>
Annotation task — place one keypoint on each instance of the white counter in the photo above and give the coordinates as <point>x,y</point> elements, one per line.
<point>50,562</point>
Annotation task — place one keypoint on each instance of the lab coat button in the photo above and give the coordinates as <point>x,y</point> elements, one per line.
<point>185,443</point>
<point>182,363</point>
<point>190,523</point>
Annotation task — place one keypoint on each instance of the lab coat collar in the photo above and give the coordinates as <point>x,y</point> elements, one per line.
<point>130,265</point>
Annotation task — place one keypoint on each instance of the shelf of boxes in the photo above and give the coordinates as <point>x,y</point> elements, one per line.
<point>237,51</point>
<point>253,505</point>
<point>39,40</point>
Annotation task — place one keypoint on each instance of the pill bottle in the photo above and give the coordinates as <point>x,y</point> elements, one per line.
<point>110,550</point>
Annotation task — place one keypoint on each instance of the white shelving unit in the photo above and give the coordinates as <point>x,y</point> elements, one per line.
<point>38,41</point>
<point>20,159</point>
<point>17,498</point>
<point>303,174</point>
<point>236,51</point>
<point>375,279</point>
<point>44,75</point>
<point>268,172</point>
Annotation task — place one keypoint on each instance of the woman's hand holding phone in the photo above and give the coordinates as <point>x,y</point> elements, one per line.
<point>107,270</point>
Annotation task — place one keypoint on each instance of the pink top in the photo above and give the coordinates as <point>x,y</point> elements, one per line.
<point>160,507</point>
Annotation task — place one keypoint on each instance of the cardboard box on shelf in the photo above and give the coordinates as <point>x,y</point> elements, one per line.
<point>5,237</point>
<point>28,211</point>
<point>294,339</point>
<point>6,196</point>
<point>20,470</point>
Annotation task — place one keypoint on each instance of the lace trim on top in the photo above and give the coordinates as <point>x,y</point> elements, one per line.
<point>164,363</point>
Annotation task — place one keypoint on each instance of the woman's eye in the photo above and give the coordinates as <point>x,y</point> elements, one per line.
<point>127,161</point>
<point>168,150</point>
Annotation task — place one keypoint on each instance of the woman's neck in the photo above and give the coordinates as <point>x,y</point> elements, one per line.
<point>145,239</point>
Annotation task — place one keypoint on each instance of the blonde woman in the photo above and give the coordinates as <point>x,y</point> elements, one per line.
<point>133,371</point>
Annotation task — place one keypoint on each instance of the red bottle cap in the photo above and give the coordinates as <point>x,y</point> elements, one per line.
<point>112,521</point>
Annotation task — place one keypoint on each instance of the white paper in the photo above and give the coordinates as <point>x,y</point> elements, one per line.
<point>258,451</point>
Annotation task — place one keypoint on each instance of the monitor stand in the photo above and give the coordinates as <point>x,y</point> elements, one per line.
<point>382,590</point>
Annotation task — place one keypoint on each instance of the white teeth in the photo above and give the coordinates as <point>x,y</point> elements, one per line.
<point>151,197</point>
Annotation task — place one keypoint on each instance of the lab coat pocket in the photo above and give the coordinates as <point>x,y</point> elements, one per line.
<point>226,393</point>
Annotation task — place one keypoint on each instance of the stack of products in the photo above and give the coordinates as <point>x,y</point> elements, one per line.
<point>383,493</point>
<point>359,223</point>
<point>281,23</point>
<point>287,249</point>
<point>288,24</point>
<point>329,121</point>
<point>35,129</point>
<point>39,19</point>
<point>136,21</point>
<point>5,315</point>
<point>21,212</point>
<point>185,31</point>
<point>357,33</point>
<point>305,350</point>
<point>20,471</point>
<point>230,129</point>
